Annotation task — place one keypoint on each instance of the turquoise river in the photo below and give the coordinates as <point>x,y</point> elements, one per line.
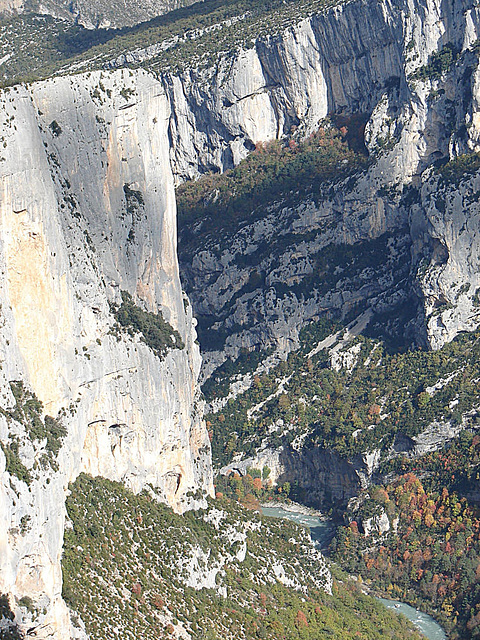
<point>321,531</point>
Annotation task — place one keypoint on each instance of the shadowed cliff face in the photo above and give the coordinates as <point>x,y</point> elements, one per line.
<point>413,72</point>
<point>87,167</point>
<point>396,239</point>
<point>346,59</point>
<point>320,478</point>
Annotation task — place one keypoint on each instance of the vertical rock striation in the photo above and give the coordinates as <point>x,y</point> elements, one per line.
<point>412,71</point>
<point>87,211</point>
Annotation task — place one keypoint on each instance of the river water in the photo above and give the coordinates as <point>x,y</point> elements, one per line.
<point>322,531</point>
<point>424,623</point>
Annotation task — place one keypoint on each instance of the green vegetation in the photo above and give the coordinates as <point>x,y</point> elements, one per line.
<point>251,489</point>
<point>349,411</point>
<point>13,464</point>
<point>28,411</point>
<point>46,433</point>
<point>128,560</point>
<point>8,630</point>
<point>440,63</point>
<point>195,35</point>
<point>155,332</point>
<point>55,128</point>
<point>272,172</point>
<point>134,200</point>
<point>432,560</point>
<point>27,603</point>
<point>135,205</point>
<point>218,385</point>
<point>460,168</point>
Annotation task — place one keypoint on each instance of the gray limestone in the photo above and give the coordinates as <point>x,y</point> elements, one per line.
<point>72,148</point>
<point>70,242</point>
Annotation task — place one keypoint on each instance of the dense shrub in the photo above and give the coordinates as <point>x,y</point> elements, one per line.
<point>155,332</point>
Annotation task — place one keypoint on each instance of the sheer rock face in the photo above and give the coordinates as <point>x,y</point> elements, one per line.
<point>7,6</point>
<point>324,476</point>
<point>344,60</point>
<point>448,275</point>
<point>353,58</point>
<point>87,210</point>
<point>72,237</point>
<point>336,61</point>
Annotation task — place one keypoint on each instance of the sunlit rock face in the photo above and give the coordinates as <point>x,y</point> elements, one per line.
<point>87,210</point>
<point>87,171</point>
<point>350,59</point>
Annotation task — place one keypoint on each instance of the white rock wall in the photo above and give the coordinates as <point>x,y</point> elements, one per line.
<point>69,244</point>
<point>327,63</point>
<point>349,59</point>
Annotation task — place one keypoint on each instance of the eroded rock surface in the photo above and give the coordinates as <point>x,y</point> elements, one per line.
<point>88,210</point>
<point>88,165</point>
<point>256,283</point>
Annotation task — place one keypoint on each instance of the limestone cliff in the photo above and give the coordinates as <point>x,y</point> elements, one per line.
<point>342,59</point>
<point>411,70</point>
<point>335,60</point>
<point>397,240</point>
<point>87,211</point>
<point>88,165</point>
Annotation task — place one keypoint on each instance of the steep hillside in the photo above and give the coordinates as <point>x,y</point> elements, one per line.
<point>360,220</point>
<point>255,282</point>
<point>229,574</point>
<point>371,222</point>
<point>416,537</point>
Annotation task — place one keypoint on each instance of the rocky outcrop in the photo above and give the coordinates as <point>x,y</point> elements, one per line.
<point>414,73</point>
<point>321,477</point>
<point>7,6</point>
<point>446,250</point>
<point>346,59</point>
<point>88,210</point>
<point>297,77</point>
<point>377,525</point>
